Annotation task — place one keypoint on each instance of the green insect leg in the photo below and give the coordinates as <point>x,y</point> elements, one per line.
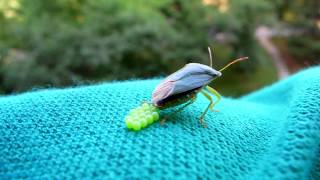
<point>202,122</point>
<point>215,93</point>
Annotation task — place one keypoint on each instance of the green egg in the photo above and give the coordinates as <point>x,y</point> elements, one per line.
<point>129,123</point>
<point>149,119</point>
<point>140,109</point>
<point>136,119</point>
<point>145,106</point>
<point>144,122</point>
<point>140,112</point>
<point>136,126</point>
<point>133,111</point>
<point>155,109</point>
<point>142,116</point>
<point>138,116</point>
<point>147,112</point>
<point>155,116</point>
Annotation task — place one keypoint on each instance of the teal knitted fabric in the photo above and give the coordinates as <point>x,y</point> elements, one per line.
<point>78,133</point>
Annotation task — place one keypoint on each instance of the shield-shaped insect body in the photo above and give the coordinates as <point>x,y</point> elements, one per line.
<point>184,85</point>
<point>192,76</point>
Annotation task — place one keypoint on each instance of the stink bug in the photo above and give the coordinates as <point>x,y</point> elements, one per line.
<point>183,86</point>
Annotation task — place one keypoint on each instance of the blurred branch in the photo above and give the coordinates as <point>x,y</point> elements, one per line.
<point>264,35</point>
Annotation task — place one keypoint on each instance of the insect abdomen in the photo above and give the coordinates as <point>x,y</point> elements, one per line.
<point>177,99</point>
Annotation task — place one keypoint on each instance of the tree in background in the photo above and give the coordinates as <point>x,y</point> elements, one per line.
<point>302,49</point>
<point>66,42</point>
<point>63,42</point>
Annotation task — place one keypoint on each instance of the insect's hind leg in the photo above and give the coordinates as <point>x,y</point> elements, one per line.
<point>202,122</point>
<point>163,120</point>
<point>215,93</point>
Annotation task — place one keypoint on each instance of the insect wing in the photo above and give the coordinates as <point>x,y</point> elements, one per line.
<point>191,82</point>
<point>190,77</point>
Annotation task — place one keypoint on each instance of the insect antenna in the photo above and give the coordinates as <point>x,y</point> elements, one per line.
<point>234,61</point>
<point>210,56</point>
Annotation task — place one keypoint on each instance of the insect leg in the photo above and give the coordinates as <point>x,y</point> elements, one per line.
<point>205,111</point>
<point>213,92</point>
<point>178,110</point>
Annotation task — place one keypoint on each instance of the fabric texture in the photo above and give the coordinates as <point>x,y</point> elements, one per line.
<point>79,133</point>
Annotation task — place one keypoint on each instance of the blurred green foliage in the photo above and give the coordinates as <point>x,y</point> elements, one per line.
<point>64,42</point>
<point>303,16</point>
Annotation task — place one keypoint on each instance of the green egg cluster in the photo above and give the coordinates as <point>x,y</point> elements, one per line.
<point>142,117</point>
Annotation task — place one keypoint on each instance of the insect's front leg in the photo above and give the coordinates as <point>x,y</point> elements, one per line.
<point>201,120</point>
<point>215,93</point>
